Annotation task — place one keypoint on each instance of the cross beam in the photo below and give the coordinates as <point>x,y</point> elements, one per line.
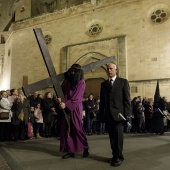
<point>54,79</point>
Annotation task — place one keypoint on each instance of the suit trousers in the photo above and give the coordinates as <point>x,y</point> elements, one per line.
<point>115,129</point>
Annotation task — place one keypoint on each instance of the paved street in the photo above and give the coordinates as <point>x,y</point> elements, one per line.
<point>141,151</point>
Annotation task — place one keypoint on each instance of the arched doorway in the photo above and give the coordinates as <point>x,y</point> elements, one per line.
<point>93,86</point>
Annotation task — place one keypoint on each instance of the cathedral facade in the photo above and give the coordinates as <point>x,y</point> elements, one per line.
<point>136,32</point>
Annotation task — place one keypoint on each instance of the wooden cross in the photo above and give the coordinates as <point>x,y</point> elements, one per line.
<point>54,79</point>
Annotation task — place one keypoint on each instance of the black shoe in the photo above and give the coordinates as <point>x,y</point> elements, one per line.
<point>86,153</point>
<point>68,155</point>
<point>116,162</point>
<point>111,160</point>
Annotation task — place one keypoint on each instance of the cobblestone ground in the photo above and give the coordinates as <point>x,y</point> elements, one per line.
<point>141,152</point>
<point>3,164</point>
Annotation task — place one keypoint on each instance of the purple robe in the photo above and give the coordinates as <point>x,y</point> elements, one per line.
<point>76,141</point>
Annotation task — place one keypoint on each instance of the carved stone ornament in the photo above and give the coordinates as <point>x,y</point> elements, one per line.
<point>158,14</point>
<point>48,39</point>
<point>94,28</point>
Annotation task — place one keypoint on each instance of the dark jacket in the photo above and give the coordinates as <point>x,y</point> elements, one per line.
<point>115,100</point>
<point>17,108</point>
<point>34,101</point>
<point>91,106</point>
<point>48,114</point>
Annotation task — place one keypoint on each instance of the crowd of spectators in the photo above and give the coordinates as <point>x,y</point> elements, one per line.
<point>40,111</point>
<point>43,113</point>
<point>144,117</point>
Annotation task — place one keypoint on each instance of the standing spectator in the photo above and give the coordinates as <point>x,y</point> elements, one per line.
<point>54,125</point>
<point>115,99</point>
<point>141,117</point>
<point>32,120</point>
<point>91,115</point>
<point>157,118</point>
<point>48,112</point>
<point>144,102</point>
<point>8,93</point>
<point>11,98</point>
<point>148,115</point>
<point>101,121</point>
<point>38,119</point>
<point>134,115</point>
<point>95,126</point>
<point>84,103</point>
<point>13,95</point>
<point>165,111</point>
<point>21,112</point>
<point>34,99</point>
<point>5,124</point>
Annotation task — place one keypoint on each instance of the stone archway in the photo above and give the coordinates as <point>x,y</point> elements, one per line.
<point>93,86</point>
<point>87,52</point>
<point>94,73</point>
<point>94,77</point>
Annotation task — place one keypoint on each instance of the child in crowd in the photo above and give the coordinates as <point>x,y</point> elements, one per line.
<point>38,119</point>
<point>32,120</point>
<point>141,117</point>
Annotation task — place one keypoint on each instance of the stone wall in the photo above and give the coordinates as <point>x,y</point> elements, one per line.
<point>5,13</point>
<point>39,7</point>
<point>5,60</point>
<point>23,10</point>
<point>143,44</point>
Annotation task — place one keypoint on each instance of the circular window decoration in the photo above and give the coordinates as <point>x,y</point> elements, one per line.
<point>159,16</point>
<point>94,28</point>
<point>48,39</point>
<point>158,13</point>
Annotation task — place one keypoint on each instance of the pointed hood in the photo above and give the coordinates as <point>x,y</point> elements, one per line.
<point>157,93</point>
<point>157,96</point>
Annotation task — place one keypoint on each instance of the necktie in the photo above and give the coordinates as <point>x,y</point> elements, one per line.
<point>111,83</point>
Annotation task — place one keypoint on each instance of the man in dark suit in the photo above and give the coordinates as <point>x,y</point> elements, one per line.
<point>115,99</point>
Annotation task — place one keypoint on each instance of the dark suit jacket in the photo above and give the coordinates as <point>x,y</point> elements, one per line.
<point>115,100</point>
